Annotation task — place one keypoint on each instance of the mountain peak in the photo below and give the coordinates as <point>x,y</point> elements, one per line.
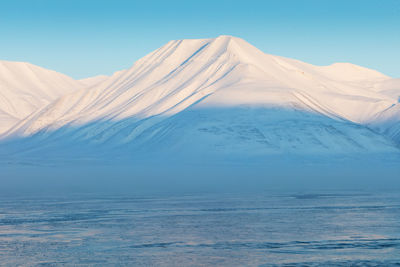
<point>205,50</point>
<point>229,38</point>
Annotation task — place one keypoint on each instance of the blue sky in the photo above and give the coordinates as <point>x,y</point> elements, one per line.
<point>86,38</point>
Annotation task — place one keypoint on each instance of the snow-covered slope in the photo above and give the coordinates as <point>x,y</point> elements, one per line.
<point>217,96</point>
<point>93,80</point>
<point>386,121</point>
<point>25,88</point>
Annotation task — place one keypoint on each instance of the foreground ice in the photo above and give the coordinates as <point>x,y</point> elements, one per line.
<point>262,229</point>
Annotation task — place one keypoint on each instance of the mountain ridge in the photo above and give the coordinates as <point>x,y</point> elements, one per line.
<point>198,89</point>
<point>25,88</point>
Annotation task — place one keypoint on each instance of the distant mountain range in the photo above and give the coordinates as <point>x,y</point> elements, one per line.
<point>219,98</point>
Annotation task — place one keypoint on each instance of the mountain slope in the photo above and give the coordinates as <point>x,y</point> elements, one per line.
<point>214,97</point>
<point>25,88</point>
<point>388,121</point>
<point>93,80</point>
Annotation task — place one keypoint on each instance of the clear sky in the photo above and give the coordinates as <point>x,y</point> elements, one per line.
<point>84,38</point>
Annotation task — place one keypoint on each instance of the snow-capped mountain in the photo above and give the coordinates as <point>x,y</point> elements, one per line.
<point>25,88</point>
<point>218,96</point>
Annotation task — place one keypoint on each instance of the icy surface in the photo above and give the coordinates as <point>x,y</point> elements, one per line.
<point>261,229</point>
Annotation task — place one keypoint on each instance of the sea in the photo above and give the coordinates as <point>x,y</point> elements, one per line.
<point>344,228</point>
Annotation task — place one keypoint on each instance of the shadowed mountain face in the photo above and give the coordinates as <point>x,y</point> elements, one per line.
<point>214,101</point>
